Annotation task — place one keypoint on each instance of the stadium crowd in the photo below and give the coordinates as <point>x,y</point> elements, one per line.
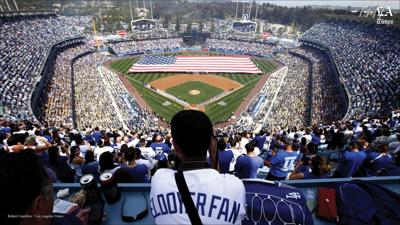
<point>291,105</point>
<point>58,104</point>
<point>102,100</point>
<point>368,60</point>
<point>24,46</point>
<point>132,47</point>
<point>240,47</point>
<point>114,135</point>
<point>132,114</point>
<point>326,104</point>
<point>368,147</point>
<point>92,101</point>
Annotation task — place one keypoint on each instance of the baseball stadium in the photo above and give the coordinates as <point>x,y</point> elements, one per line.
<point>220,95</point>
<point>199,112</point>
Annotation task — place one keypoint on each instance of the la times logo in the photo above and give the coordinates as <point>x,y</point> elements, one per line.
<point>382,12</point>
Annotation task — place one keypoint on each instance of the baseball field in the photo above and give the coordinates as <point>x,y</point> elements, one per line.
<point>230,89</point>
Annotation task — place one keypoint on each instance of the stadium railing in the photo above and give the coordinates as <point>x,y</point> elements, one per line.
<point>131,192</point>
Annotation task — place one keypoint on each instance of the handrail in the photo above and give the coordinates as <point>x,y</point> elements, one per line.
<point>305,183</point>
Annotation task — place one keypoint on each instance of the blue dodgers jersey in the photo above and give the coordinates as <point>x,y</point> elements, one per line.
<point>350,163</point>
<point>283,162</point>
<point>379,161</point>
<point>271,204</point>
<point>246,167</point>
<point>224,160</point>
<point>260,140</point>
<point>160,148</point>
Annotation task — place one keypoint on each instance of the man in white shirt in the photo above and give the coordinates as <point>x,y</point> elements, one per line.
<point>101,149</point>
<point>307,135</point>
<point>219,198</point>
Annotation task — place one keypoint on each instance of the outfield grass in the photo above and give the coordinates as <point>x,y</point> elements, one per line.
<point>157,102</point>
<point>216,112</point>
<point>206,92</point>
<point>220,112</point>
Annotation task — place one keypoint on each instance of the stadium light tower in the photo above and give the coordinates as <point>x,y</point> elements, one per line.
<point>130,7</point>
<point>9,9</point>
<point>251,3</point>
<point>16,6</point>
<point>255,18</point>
<point>151,9</point>
<point>244,3</point>
<point>237,5</point>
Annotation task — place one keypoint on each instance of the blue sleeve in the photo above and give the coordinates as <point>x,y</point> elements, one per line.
<point>167,148</point>
<point>276,159</point>
<point>231,156</point>
<point>237,164</point>
<point>371,155</point>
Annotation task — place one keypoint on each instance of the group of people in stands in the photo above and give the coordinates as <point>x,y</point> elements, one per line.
<point>57,106</point>
<point>24,46</point>
<point>325,91</point>
<point>367,58</point>
<point>292,109</point>
<point>131,47</point>
<point>241,47</point>
<point>352,148</point>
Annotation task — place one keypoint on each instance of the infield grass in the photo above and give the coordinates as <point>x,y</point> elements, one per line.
<point>218,111</point>
<point>206,92</point>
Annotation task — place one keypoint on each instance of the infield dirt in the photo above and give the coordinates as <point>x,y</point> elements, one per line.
<point>214,80</point>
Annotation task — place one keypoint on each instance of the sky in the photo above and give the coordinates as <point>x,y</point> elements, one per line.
<point>353,3</point>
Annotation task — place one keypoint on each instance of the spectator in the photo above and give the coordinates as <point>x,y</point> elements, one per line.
<point>22,170</point>
<point>377,161</point>
<point>247,165</point>
<point>319,168</point>
<point>76,161</point>
<point>149,162</point>
<point>59,164</point>
<point>91,166</point>
<point>191,132</point>
<point>159,147</point>
<point>107,164</point>
<point>283,162</point>
<point>225,157</point>
<point>139,172</point>
<point>350,161</point>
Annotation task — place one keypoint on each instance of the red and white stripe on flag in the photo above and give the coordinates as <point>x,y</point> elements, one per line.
<point>121,33</point>
<point>202,64</point>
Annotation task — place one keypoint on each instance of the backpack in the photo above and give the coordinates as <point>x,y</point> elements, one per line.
<point>274,203</point>
<point>364,203</point>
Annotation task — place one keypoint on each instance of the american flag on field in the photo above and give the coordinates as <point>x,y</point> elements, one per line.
<point>198,64</point>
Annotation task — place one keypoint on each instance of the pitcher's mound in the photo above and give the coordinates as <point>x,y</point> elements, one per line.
<point>194,92</point>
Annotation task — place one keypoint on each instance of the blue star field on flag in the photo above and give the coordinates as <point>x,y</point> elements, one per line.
<point>157,60</point>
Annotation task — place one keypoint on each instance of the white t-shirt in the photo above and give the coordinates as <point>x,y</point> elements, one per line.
<point>219,198</point>
<point>308,138</point>
<point>98,151</point>
<point>133,143</point>
<point>147,152</point>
